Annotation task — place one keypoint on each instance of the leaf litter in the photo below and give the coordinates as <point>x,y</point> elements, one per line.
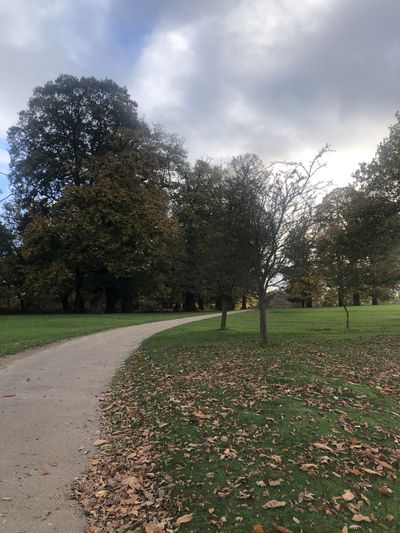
<point>237,441</point>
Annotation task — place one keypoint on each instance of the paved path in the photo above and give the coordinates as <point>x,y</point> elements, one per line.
<point>49,420</point>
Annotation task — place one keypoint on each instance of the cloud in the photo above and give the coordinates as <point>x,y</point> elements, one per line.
<point>40,40</point>
<point>277,78</point>
<point>274,77</point>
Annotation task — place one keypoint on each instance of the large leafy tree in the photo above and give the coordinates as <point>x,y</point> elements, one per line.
<point>68,121</point>
<point>112,234</point>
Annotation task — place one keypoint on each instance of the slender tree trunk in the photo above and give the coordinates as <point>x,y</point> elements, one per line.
<point>309,302</point>
<point>111,300</point>
<point>127,300</point>
<point>224,311</point>
<point>201,304</point>
<point>244,302</point>
<point>347,316</point>
<point>262,304</point>
<point>190,302</point>
<point>79,303</point>
<point>65,304</point>
<point>374,300</point>
<point>303,304</point>
<point>356,298</point>
<point>340,297</point>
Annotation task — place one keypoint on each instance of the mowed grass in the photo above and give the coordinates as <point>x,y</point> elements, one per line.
<point>19,332</point>
<point>302,435</point>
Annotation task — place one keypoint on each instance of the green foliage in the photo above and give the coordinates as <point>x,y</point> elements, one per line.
<point>67,121</point>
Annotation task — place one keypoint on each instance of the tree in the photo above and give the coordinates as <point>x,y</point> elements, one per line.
<point>193,207</point>
<point>105,235</point>
<point>67,121</point>
<point>11,268</point>
<point>338,252</point>
<point>303,280</point>
<point>279,199</point>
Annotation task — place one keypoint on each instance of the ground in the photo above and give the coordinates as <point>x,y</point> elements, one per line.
<point>19,332</point>
<point>205,430</point>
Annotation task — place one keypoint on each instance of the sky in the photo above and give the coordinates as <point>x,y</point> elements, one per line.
<point>279,78</point>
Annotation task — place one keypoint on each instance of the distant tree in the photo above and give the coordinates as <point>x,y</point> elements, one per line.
<point>12,275</point>
<point>303,280</point>
<point>382,174</point>
<point>193,207</point>
<point>338,252</point>
<point>229,270</point>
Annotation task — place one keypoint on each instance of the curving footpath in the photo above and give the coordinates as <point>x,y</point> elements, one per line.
<point>49,419</point>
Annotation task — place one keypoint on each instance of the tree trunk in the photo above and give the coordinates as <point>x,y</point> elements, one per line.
<point>303,304</point>
<point>79,303</point>
<point>190,302</point>
<point>356,298</point>
<point>374,300</point>
<point>262,304</point>
<point>65,304</point>
<point>340,298</point>
<point>309,302</point>
<point>224,311</point>
<point>201,304</point>
<point>347,317</point>
<point>127,301</point>
<point>244,302</point>
<point>111,300</point>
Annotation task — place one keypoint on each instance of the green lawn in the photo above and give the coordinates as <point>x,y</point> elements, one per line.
<point>299,436</point>
<point>18,332</point>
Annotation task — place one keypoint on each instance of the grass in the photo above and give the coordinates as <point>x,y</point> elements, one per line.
<point>19,332</point>
<point>302,435</point>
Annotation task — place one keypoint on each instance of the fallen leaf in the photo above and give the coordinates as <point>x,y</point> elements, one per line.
<point>348,496</point>
<point>155,528</point>
<point>345,529</point>
<point>184,519</point>
<point>272,504</point>
<point>100,442</point>
<point>389,518</point>
<point>258,529</point>
<point>385,490</point>
<point>281,529</point>
<point>323,447</point>
<point>275,482</point>
<point>361,518</point>
<point>372,472</point>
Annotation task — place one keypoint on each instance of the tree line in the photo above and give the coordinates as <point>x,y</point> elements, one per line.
<point>107,214</point>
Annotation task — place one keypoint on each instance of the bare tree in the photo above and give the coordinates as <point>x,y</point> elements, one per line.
<point>279,199</point>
